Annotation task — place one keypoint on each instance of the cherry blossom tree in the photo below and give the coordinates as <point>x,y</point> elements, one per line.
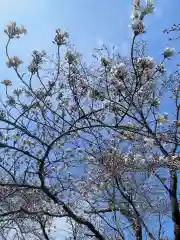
<point>90,143</point>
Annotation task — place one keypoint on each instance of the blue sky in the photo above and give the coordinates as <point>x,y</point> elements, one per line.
<point>89,23</point>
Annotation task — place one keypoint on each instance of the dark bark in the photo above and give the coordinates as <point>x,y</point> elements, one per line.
<point>44,230</point>
<point>174,205</point>
<point>137,229</point>
<point>73,216</point>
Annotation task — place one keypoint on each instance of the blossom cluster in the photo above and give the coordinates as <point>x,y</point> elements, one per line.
<point>37,60</point>
<point>138,16</point>
<point>14,31</point>
<point>119,71</point>
<point>61,37</point>
<point>155,102</point>
<point>7,82</point>
<point>162,118</point>
<point>14,61</point>
<point>146,63</point>
<point>70,57</point>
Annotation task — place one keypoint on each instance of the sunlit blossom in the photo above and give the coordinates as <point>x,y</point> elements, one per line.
<point>146,63</point>
<point>135,14</point>
<point>61,37</point>
<point>7,82</point>
<point>22,30</point>
<point>162,118</point>
<point>149,141</point>
<point>13,62</point>
<point>138,26</point>
<point>149,8</point>
<point>70,57</point>
<point>14,31</point>
<point>119,71</point>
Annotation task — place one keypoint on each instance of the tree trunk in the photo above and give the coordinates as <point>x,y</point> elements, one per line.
<point>138,229</point>
<point>175,206</point>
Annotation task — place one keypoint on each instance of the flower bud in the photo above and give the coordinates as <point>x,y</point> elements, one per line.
<point>168,52</point>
